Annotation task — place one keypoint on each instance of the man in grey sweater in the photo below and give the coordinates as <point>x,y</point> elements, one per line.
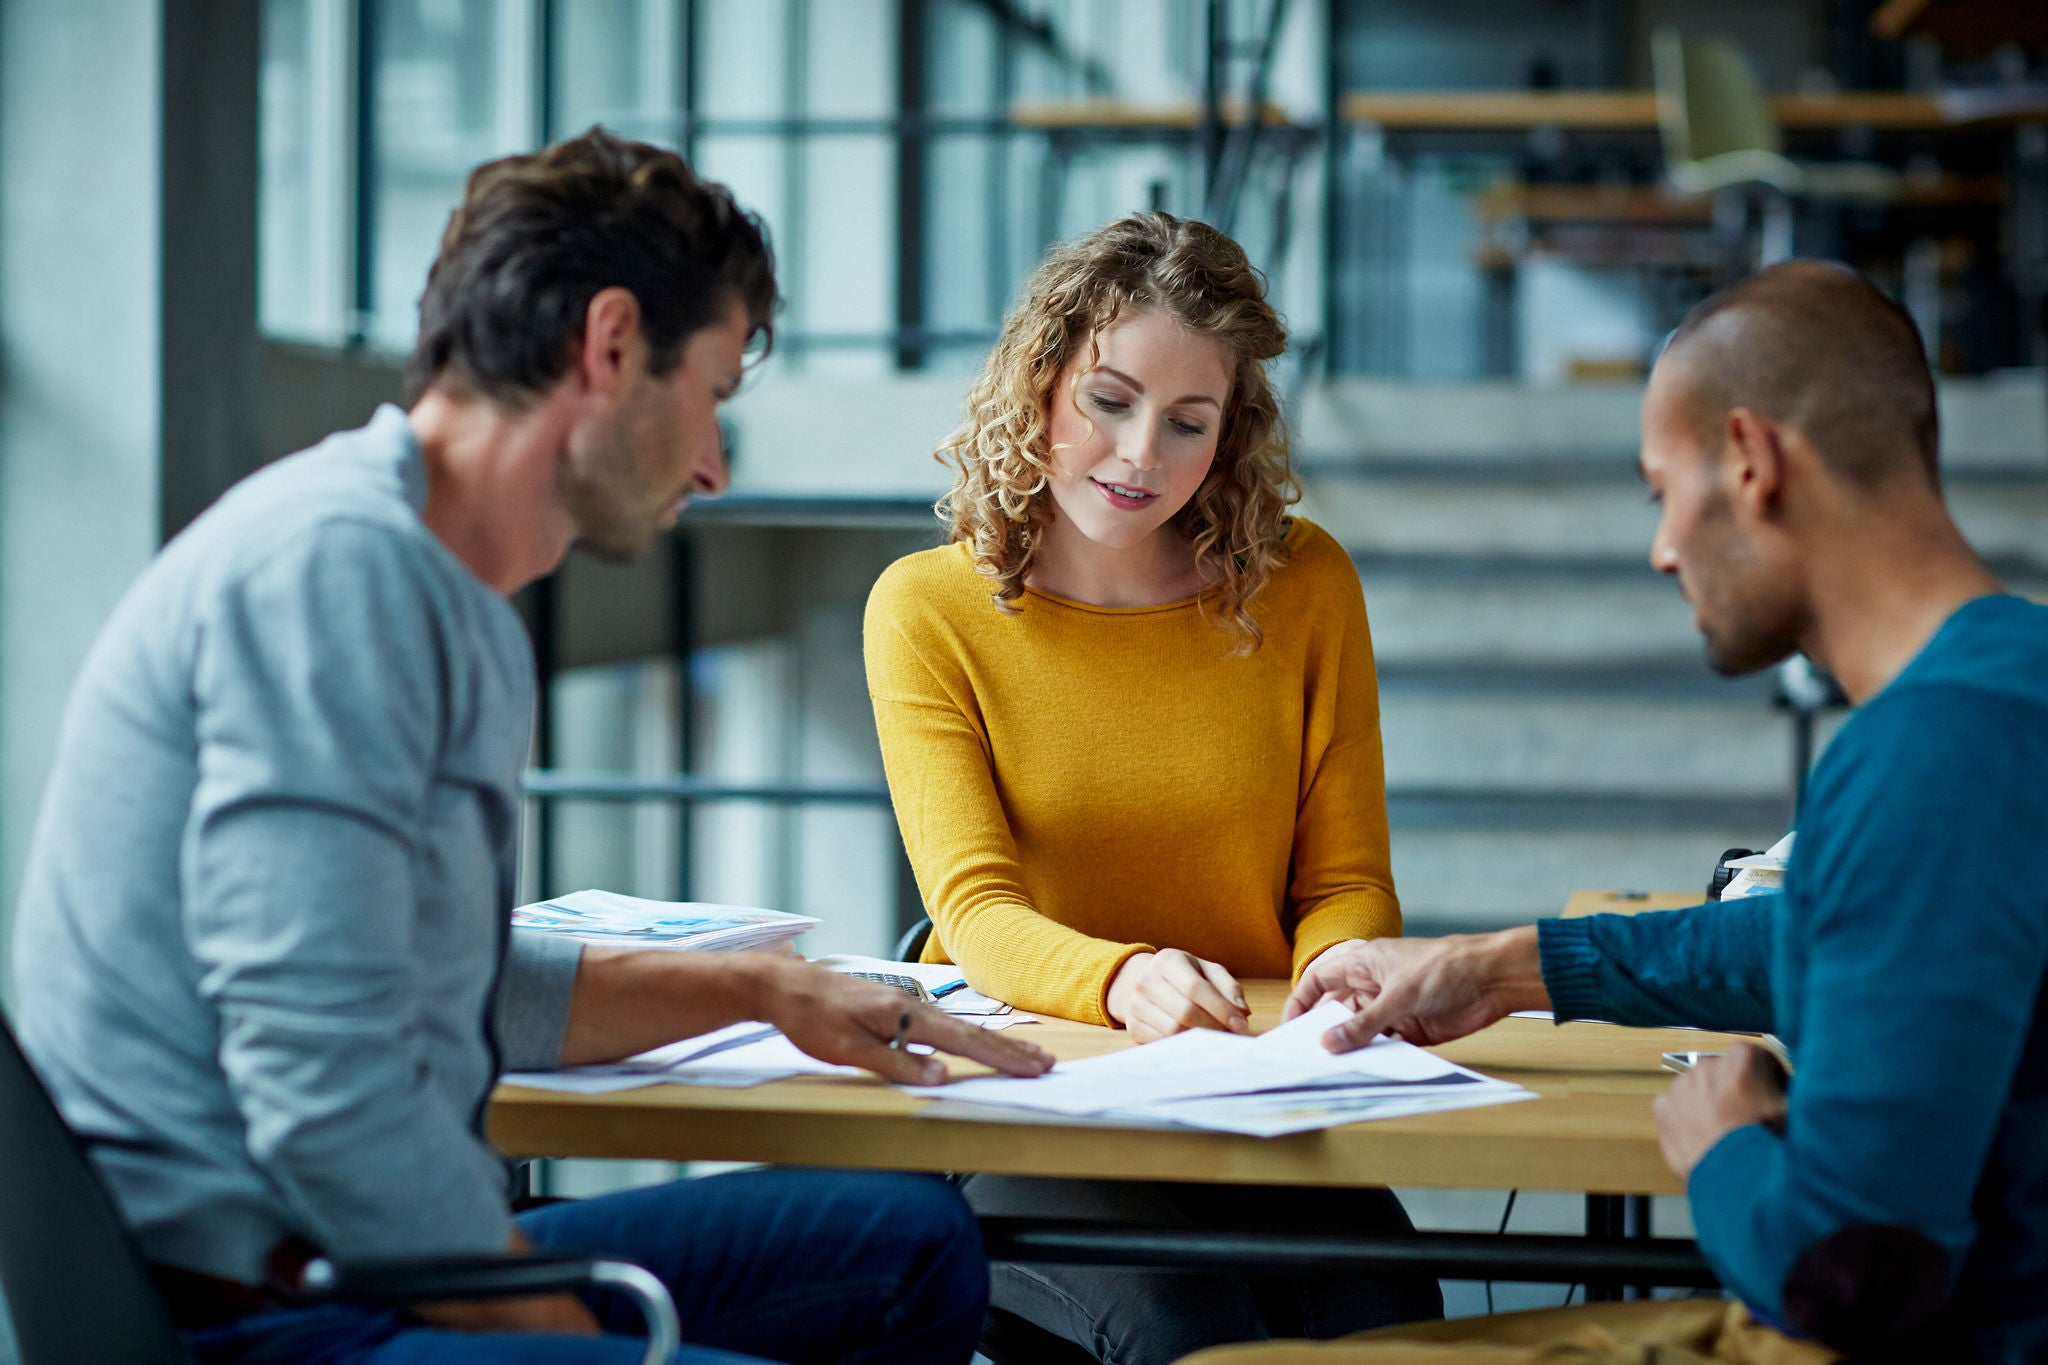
<point>262,953</point>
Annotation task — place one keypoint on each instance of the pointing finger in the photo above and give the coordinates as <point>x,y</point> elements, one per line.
<point>1012,1056</point>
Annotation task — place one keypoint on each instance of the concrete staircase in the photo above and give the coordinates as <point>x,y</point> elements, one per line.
<point>1549,721</point>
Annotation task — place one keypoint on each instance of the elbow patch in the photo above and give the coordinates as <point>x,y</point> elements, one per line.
<point>1869,1290</point>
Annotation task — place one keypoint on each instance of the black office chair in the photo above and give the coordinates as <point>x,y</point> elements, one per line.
<point>910,948</point>
<point>77,1290</point>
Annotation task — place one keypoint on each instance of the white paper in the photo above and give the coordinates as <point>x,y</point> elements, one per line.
<point>1204,1063</point>
<point>1774,858</point>
<point>631,922</point>
<point>580,1081</point>
<point>1280,1082</point>
<point>1303,1111</point>
<point>754,1051</point>
<point>739,1055</point>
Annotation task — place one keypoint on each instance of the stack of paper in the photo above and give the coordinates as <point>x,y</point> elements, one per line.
<point>1279,1082</point>
<point>630,922</point>
<point>1761,873</point>
<point>742,1055</point>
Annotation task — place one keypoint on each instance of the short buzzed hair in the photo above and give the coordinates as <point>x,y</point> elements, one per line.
<point>537,236</point>
<point>1817,345</point>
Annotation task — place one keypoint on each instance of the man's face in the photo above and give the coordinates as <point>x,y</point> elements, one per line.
<point>1744,606</point>
<point>630,471</point>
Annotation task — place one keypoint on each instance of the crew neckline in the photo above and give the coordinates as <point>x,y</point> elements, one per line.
<point>1157,609</point>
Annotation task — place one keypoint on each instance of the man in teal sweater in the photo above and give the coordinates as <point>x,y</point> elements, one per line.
<point>1895,1199</point>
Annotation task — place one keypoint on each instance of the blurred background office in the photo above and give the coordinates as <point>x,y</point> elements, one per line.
<point>1478,215</point>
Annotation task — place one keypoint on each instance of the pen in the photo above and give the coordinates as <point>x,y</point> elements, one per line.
<point>902,1031</point>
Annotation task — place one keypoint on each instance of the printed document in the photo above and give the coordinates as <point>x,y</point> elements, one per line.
<point>1281,1081</point>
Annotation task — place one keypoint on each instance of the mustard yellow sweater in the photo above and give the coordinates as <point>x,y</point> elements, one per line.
<point>1077,784</point>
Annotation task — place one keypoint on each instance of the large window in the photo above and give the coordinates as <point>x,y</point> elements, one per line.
<point>880,140</point>
<point>305,266</point>
<point>450,86</point>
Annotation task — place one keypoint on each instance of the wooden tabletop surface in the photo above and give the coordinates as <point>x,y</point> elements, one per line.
<point>1589,1129</point>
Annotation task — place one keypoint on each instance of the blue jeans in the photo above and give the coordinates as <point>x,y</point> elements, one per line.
<point>783,1265</point>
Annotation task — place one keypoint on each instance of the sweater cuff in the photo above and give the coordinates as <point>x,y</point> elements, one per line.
<point>533,1000</point>
<point>1571,967</point>
<point>1123,952</point>
<point>1356,917</point>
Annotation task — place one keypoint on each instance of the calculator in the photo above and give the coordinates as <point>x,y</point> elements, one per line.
<point>909,985</point>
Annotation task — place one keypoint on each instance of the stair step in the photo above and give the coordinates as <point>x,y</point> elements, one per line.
<point>1739,747</point>
<point>1579,517</point>
<point>1477,617</point>
<point>1654,677</point>
<point>1504,810</point>
<point>1456,880</point>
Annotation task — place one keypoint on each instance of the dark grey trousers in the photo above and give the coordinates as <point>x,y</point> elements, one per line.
<point>1134,1316</point>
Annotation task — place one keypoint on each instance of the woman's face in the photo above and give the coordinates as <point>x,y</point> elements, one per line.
<point>1135,420</point>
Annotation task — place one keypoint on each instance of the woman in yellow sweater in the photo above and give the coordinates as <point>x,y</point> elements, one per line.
<point>1131,731</point>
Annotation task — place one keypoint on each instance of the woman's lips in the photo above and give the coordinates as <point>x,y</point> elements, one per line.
<point>1123,501</point>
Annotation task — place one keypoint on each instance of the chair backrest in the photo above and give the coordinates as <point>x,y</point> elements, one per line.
<point>75,1284</point>
<point>910,947</point>
<point>1708,99</point>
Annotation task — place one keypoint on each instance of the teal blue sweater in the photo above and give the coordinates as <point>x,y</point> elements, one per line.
<point>1903,967</point>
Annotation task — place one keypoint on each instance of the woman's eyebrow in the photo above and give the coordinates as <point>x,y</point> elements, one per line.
<point>1140,388</point>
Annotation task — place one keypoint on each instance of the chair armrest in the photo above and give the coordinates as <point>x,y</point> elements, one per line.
<point>397,1283</point>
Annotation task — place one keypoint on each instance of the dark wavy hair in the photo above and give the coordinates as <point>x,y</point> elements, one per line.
<point>537,236</point>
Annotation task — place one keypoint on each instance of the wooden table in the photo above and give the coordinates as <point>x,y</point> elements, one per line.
<point>1589,1130</point>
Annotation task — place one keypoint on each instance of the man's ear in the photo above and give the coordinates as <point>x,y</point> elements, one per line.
<point>612,344</point>
<point>1753,458</point>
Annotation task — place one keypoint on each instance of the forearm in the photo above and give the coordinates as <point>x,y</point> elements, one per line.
<point>1708,966</point>
<point>1010,951</point>
<point>627,1001</point>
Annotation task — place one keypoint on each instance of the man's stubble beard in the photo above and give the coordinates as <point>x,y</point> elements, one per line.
<point>1742,625</point>
<point>609,526</point>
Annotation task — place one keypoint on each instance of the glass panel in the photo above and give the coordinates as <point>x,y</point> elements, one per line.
<point>618,63</point>
<point>303,149</point>
<point>441,103</point>
<point>285,143</point>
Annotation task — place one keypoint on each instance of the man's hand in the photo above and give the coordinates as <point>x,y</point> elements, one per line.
<point>1156,994</point>
<point>1743,1085</point>
<point>841,1019</point>
<point>1422,990</point>
<point>562,1313</point>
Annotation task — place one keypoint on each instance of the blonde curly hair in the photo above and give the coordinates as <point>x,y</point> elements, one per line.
<point>1237,520</point>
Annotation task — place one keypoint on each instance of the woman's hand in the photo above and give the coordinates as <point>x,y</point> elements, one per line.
<point>1157,994</point>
